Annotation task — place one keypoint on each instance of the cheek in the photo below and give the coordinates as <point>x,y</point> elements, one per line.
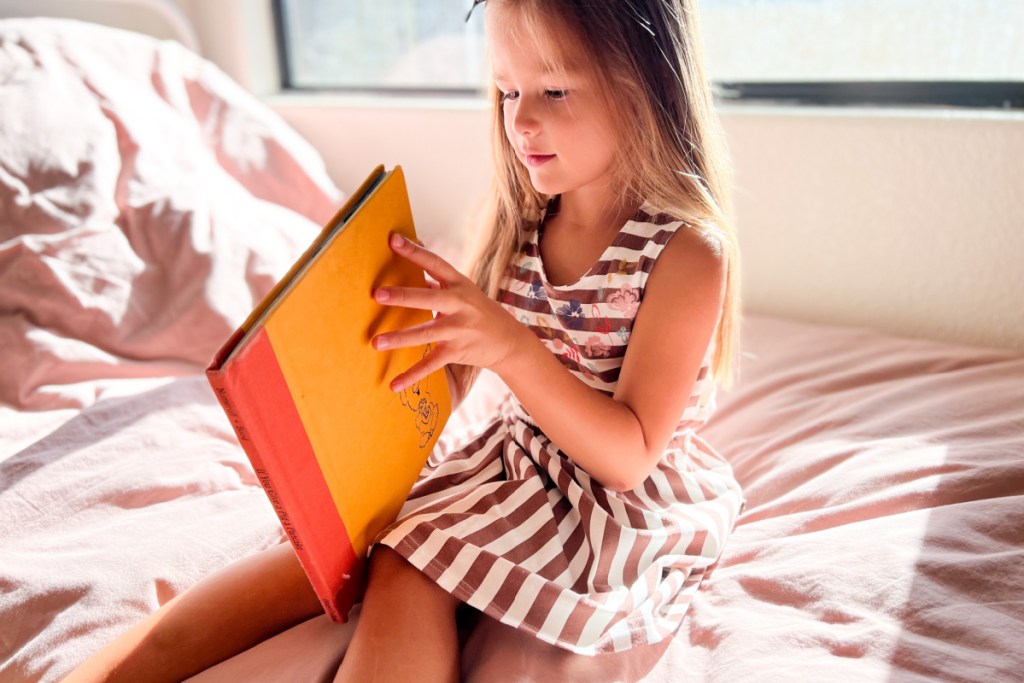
<point>610,136</point>
<point>506,122</point>
<point>600,146</point>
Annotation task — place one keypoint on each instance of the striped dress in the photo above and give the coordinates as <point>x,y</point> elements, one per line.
<point>508,524</point>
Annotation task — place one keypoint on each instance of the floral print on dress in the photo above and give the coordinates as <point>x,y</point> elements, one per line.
<point>537,290</point>
<point>625,299</point>
<point>597,348</point>
<point>627,267</point>
<point>542,329</point>
<point>571,314</point>
<point>587,325</point>
<point>601,323</point>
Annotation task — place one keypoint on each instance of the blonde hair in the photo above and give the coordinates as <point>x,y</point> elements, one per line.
<point>648,60</point>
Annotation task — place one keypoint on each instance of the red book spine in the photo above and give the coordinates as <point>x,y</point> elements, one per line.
<point>254,394</point>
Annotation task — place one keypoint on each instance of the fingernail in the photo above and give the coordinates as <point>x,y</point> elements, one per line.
<point>382,295</point>
<point>397,240</point>
<point>396,386</point>
<point>380,343</point>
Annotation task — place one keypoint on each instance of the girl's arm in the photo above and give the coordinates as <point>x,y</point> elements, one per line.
<point>617,440</point>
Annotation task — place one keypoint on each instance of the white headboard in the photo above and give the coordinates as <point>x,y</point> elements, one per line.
<point>159,18</point>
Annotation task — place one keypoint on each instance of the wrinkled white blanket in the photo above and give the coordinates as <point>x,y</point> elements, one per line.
<point>146,203</point>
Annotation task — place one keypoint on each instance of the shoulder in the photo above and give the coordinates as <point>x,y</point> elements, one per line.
<point>668,229</point>
<point>690,270</point>
<point>693,247</point>
<point>684,252</point>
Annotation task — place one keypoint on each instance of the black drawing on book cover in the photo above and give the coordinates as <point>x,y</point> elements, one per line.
<point>416,397</point>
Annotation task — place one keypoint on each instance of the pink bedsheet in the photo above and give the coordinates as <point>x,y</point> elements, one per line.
<point>146,202</point>
<point>882,540</point>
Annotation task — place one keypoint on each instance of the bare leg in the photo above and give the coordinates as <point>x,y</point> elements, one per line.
<point>220,616</point>
<point>406,629</point>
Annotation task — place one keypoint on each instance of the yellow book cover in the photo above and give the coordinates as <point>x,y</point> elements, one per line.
<point>335,449</point>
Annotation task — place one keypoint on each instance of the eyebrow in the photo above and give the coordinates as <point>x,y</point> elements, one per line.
<point>569,73</point>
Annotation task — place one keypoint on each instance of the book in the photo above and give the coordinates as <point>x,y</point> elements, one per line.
<point>335,449</point>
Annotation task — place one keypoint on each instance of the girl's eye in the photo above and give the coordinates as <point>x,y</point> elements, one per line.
<point>556,94</point>
<point>509,96</point>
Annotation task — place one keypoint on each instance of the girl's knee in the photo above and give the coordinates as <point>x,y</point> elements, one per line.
<point>387,566</point>
<point>393,574</point>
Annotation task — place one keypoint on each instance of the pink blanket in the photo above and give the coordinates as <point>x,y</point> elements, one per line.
<point>146,203</point>
<point>882,540</point>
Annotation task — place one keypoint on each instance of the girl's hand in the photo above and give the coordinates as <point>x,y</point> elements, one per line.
<point>469,329</point>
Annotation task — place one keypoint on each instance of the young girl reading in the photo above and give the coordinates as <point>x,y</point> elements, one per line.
<point>587,511</point>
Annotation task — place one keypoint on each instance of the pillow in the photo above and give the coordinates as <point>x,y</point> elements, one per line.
<point>147,202</point>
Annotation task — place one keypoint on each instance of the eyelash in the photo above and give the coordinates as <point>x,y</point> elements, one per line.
<point>556,95</point>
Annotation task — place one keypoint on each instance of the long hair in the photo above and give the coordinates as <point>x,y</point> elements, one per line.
<point>648,62</point>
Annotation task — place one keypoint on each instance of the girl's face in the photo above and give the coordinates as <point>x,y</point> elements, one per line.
<point>555,117</point>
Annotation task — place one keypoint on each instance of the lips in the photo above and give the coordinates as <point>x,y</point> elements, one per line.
<point>535,160</point>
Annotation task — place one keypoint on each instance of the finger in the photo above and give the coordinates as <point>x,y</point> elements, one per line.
<point>423,298</point>
<point>430,332</point>
<point>432,362</point>
<point>437,267</point>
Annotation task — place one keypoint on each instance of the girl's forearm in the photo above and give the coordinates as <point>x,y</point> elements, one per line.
<point>600,434</point>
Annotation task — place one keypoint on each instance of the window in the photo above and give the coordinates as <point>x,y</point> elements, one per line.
<point>952,52</point>
<point>406,45</point>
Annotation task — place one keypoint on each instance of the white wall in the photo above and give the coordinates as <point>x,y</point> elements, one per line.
<point>443,147</point>
<point>909,221</point>
<point>238,35</point>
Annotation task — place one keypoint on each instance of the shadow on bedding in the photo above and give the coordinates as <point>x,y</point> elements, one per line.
<point>963,615</point>
<point>107,435</point>
<point>883,535</point>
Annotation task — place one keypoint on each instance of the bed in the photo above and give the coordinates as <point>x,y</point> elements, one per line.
<point>883,535</point>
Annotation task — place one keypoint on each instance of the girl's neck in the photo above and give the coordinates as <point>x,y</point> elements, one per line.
<point>591,216</point>
<point>575,234</point>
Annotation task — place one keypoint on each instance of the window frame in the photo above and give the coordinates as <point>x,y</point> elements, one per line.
<point>1004,95</point>
<point>1001,95</point>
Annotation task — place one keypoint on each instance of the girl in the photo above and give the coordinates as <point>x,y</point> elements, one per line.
<point>605,296</point>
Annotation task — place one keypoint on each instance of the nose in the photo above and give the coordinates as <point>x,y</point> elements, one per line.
<point>525,121</point>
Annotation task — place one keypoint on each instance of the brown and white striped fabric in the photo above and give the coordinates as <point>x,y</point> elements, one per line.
<point>511,526</point>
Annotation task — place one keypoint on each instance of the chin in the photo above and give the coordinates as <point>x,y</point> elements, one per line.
<point>546,185</point>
